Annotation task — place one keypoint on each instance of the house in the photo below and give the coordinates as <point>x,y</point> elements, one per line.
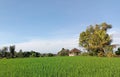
<point>74,52</point>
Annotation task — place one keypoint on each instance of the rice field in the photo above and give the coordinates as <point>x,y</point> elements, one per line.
<point>60,67</point>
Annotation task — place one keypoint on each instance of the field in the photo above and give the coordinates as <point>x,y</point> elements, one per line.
<point>60,67</point>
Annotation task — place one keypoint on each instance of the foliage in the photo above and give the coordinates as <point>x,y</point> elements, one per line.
<point>118,51</point>
<point>63,52</point>
<point>101,54</point>
<point>84,54</point>
<point>4,53</point>
<point>50,55</point>
<point>110,54</point>
<point>47,55</point>
<point>12,51</point>
<point>20,54</point>
<point>96,38</point>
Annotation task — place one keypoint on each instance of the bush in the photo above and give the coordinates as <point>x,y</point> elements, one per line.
<point>93,53</point>
<point>110,54</point>
<point>118,51</point>
<point>100,54</point>
<point>63,52</point>
<point>85,54</point>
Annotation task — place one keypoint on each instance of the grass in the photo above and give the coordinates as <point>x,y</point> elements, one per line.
<point>60,67</point>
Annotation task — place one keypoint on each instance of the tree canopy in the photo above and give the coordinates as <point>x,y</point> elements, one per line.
<point>96,39</point>
<point>63,52</point>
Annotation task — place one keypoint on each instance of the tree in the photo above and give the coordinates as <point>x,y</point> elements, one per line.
<point>96,39</point>
<point>20,53</point>
<point>3,51</point>
<point>63,52</point>
<point>12,51</point>
<point>26,54</point>
<point>50,54</point>
<point>118,51</point>
<point>7,54</point>
<point>0,53</point>
<point>33,54</point>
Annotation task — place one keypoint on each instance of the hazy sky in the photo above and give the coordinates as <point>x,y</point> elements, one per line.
<point>49,25</point>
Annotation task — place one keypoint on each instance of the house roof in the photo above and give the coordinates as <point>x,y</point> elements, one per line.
<point>75,50</point>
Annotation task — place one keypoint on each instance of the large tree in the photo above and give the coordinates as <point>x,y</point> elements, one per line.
<point>96,39</point>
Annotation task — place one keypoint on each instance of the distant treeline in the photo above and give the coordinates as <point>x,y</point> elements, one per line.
<point>9,52</point>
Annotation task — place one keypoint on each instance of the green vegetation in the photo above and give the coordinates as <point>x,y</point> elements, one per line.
<point>9,52</point>
<point>96,39</point>
<point>118,51</point>
<point>60,67</point>
<point>63,52</point>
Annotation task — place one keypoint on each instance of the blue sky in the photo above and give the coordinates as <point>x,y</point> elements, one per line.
<point>49,25</point>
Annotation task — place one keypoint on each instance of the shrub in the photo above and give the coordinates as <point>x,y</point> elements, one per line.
<point>63,52</point>
<point>110,54</point>
<point>118,51</point>
<point>100,54</point>
<point>85,54</point>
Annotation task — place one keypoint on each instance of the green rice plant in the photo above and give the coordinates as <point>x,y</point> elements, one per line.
<point>79,66</point>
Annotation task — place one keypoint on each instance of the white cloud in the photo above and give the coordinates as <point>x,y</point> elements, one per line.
<point>42,45</point>
<point>45,46</point>
<point>116,37</point>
